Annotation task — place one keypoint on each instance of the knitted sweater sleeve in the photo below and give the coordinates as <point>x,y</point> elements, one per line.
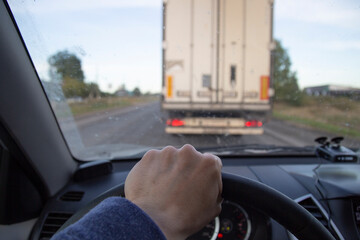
<point>113,218</point>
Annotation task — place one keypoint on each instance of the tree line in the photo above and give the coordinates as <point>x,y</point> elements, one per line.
<point>66,68</point>
<point>285,81</point>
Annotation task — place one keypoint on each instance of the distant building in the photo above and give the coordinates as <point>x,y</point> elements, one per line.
<point>332,90</point>
<point>122,92</point>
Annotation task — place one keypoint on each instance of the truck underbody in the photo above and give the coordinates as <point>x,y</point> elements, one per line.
<point>216,121</point>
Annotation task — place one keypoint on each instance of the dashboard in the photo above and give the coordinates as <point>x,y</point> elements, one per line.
<point>332,196</point>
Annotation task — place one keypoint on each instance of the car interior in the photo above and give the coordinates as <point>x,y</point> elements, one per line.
<point>267,195</point>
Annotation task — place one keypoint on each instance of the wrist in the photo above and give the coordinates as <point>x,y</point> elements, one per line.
<point>167,225</point>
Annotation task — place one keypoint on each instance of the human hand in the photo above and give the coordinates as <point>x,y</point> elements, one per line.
<point>180,189</point>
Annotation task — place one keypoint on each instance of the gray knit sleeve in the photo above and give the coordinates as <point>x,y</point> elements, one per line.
<point>113,218</point>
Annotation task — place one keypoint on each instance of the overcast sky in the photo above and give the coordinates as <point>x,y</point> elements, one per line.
<point>119,41</point>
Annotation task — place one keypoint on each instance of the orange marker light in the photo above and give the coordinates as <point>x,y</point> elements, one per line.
<point>264,87</point>
<point>169,86</point>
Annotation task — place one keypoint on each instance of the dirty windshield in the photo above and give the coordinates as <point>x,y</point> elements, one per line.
<point>227,76</point>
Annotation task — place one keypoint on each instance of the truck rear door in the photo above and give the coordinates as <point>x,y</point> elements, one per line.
<point>244,41</point>
<point>190,51</point>
<point>203,51</point>
<point>231,51</point>
<point>217,51</point>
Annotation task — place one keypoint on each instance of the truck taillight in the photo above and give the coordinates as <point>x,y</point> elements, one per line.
<point>253,123</point>
<point>175,122</point>
<point>264,87</point>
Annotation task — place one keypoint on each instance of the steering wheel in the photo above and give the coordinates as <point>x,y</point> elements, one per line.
<point>276,205</point>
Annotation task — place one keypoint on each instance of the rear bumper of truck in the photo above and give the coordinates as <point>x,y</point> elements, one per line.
<point>215,106</point>
<point>213,130</point>
<point>202,125</point>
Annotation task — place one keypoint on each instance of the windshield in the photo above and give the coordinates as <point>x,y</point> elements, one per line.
<point>225,76</point>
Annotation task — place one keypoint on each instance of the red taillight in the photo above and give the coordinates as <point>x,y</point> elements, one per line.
<point>175,122</point>
<point>253,123</point>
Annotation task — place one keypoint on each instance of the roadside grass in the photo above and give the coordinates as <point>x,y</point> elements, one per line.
<point>336,115</point>
<point>88,106</point>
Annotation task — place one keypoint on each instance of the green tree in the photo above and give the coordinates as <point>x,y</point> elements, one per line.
<point>65,65</point>
<point>94,90</point>
<point>285,81</point>
<point>136,92</point>
<point>74,88</point>
<point>65,68</point>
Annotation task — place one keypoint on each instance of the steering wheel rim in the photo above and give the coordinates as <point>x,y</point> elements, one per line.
<point>281,208</point>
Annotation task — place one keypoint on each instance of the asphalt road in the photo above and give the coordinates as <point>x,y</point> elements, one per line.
<point>144,125</point>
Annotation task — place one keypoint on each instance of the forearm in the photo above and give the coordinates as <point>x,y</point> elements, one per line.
<point>114,218</point>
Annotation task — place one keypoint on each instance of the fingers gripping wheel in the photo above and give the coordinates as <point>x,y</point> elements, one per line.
<point>257,195</point>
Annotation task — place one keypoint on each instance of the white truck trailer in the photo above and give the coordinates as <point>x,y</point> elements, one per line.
<point>217,65</point>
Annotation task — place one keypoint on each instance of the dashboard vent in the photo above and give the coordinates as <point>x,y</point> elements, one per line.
<point>72,196</point>
<point>314,207</point>
<point>52,223</point>
<point>311,207</point>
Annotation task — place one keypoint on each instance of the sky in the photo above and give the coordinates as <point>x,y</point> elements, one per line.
<point>322,38</point>
<point>119,41</point>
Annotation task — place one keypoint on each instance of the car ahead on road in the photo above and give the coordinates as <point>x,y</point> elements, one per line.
<point>57,156</point>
